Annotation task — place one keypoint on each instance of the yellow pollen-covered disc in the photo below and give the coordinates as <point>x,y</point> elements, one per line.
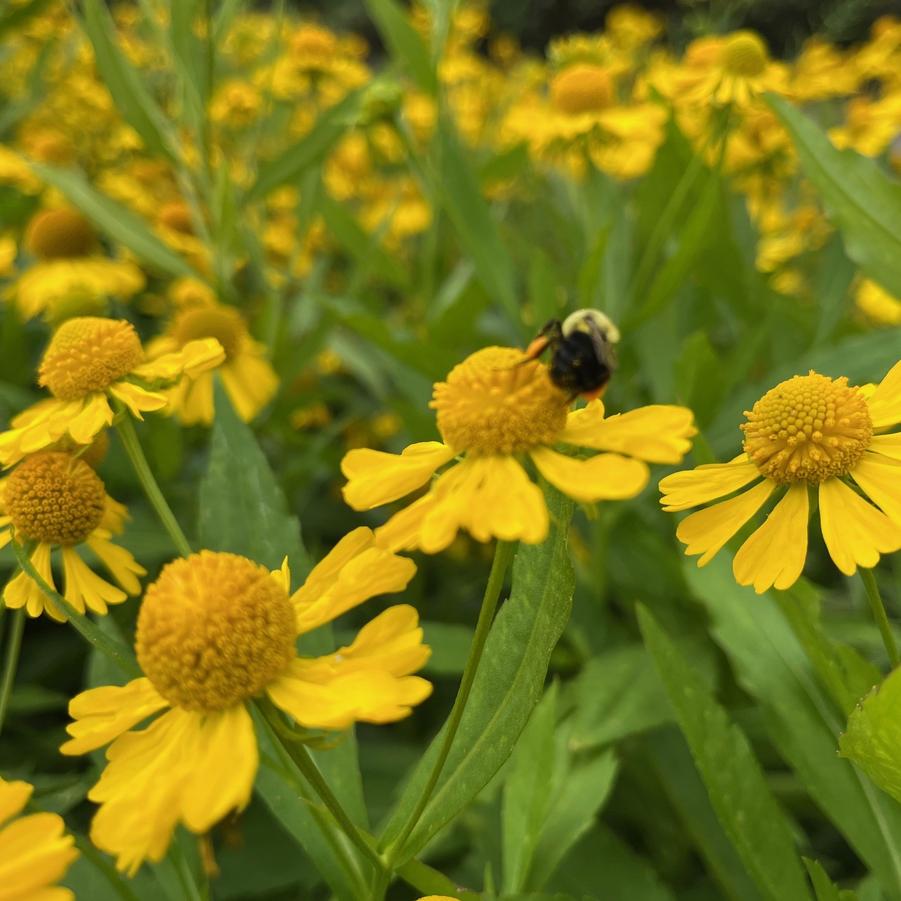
<point>582,88</point>
<point>744,54</point>
<point>214,629</point>
<point>222,323</point>
<point>54,498</point>
<point>88,354</point>
<point>808,429</point>
<point>494,403</point>
<point>55,234</point>
<point>177,216</point>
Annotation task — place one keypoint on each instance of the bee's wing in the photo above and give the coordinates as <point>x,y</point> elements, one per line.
<point>603,348</point>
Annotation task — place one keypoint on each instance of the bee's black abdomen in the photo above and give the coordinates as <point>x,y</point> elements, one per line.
<point>575,366</point>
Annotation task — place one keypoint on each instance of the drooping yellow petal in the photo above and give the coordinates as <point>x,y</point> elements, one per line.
<point>659,433</point>
<point>880,479</point>
<point>23,591</point>
<point>138,400</point>
<point>13,797</point>
<point>249,380</point>
<point>193,359</point>
<point>693,487</point>
<point>101,714</point>
<point>354,571</point>
<point>887,445</point>
<point>375,477</point>
<point>855,531</point>
<point>84,588</point>
<point>36,852</point>
<point>602,477</point>
<point>119,561</point>
<point>774,555</point>
<point>401,532</point>
<point>706,531</point>
<point>885,401</point>
<point>490,497</point>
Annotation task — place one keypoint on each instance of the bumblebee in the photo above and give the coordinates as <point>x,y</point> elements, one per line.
<point>582,353</point>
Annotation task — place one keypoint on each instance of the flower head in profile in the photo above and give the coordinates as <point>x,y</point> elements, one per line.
<point>35,850</point>
<point>215,631</point>
<point>498,413</point>
<point>55,502</point>
<point>70,273</point>
<point>89,362</point>
<point>810,433</point>
<point>246,373</point>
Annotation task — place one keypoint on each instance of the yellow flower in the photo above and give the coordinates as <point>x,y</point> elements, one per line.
<point>35,850</point>
<point>495,410</point>
<point>57,501</point>
<point>215,631</point>
<point>88,362</point>
<point>808,432</point>
<point>69,273</point>
<point>246,373</point>
<point>877,304</point>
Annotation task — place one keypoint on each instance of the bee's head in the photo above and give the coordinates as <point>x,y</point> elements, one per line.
<point>588,320</point>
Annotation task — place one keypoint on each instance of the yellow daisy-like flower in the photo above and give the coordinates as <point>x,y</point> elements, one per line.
<point>808,432</point>
<point>89,362</point>
<point>69,273</point>
<point>35,850</point>
<point>497,409</point>
<point>58,502</point>
<point>215,631</point>
<point>246,373</point>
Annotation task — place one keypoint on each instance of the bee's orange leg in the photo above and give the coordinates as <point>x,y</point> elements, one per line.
<point>594,395</point>
<point>537,347</point>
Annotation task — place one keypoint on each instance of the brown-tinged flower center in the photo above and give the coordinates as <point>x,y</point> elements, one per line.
<point>55,234</point>
<point>222,323</point>
<point>214,630</point>
<point>744,54</point>
<point>808,429</point>
<point>88,354</point>
<point>582,88</point>
<point>497,402</point>
<point>54,498</point>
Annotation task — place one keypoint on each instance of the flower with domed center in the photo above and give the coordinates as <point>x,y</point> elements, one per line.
<point>69,273</point>
<point>496,410</point>
<point>247,376</point>
<point>215,631</point>
<point>35,850</point>
<point>56,501</point>
<point>89,362</point>
<point>810,432</point>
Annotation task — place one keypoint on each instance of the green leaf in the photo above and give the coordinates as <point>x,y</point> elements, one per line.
<point>873,737</point>
<point>458,191</point>
<point>404,43</point>
<point>117,222</point>
<point>861,198</point>
<point>309,151</point>
<point>735,782</point>
<point>772,666</point>
<point>122,80</point>
<point>507,686</point>
<point>824,888</point>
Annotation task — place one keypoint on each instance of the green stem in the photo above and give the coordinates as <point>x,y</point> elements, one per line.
<point>503,554</point>
<point>877,608</point>
<point>139,463</point>
<point>308,769</point>
<point>13,647</point>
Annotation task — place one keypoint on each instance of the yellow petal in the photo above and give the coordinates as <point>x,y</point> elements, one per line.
<point>880,479</point>
<point>401,532</point>
<point>774,555</point>
<point>102,714</point>
<point>138,400</point>
<point>706,531</point>
<point>658,433</point>
<point>885,401</point>
<point>855,531</point>
<point>13,797</point>
<point>887,445</point>
<point>603,477</point>
<point>22,591</point>
<point>375,477</point>
<point>84,588</point>
<point>693,487</point>
<point>36,853</point>
<point>119,561</point>
<point>193,359</point>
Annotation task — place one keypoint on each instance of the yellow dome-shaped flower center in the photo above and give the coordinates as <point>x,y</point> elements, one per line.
<point>214,630</point>
<point>54,498</point>
<point>744,54</point>
<point>494,403</point>
<point>177,216</point>
<point>59,233</point>
<point>808,429</point>
<point>89,354</point>
<point>582,88</point>
<point>222,323</point>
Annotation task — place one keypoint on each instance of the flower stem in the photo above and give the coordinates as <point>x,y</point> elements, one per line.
<point>139,463</point>
<point>877,608</point>
<point>503,554</point>
<point>13,647</point>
